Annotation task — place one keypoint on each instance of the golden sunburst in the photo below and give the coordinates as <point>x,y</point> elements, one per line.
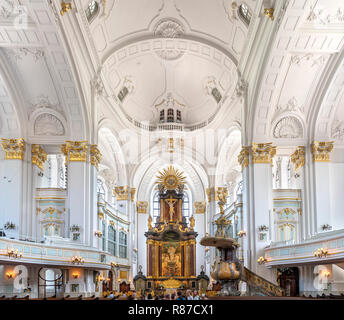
<point>170,178</point>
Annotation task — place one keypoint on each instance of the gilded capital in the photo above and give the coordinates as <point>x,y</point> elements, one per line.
<point>75,150</point>
<point>95,155</point>
<point>14,148</point>
<point>263,152</point>
<point>243,157</point>
<point>142,206</point>
<point>38,156</point>
<point>298,157</point>
<point>132,194</point>
<point>321,151</point>
<point>200,207</point>
<point>121,193</point>
<point>221,194</point>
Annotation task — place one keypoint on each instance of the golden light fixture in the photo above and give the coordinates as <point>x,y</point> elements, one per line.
<point>326,273</point>
<point>98,233</point>
<point>261,260</point>
<point>14,253</point>
<point>77,260</point>
<point>171,178</point>
<point>10,275</point>
<point>321,253</point>
<point>241,233</point>
<point>76,275</point>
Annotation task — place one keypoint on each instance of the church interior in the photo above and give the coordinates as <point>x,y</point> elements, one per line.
<point>155,146</point>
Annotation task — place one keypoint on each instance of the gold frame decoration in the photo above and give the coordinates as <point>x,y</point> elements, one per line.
<point>263,152</point>
<point>200,207</point>
<point>121,193</point>
<point>298,157</point>
<point>243,157</point>
<point>14,148</point>
<point>96,156</point>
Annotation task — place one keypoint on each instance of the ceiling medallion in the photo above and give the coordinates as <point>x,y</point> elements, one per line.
<point>171,178</point>
<point>288,127</point>
<point>169,28</point>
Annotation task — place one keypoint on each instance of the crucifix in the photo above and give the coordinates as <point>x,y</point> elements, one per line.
<point>171,203</point>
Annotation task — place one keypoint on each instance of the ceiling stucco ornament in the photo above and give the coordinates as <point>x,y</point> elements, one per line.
<point>6,8</point>
<point>97,84</point>
<point>316,60</point>
<point>291,106</point>
<point>337,130</point>
<point>47,124</point>
<point>43,101</point>
<point>321,16</point>
<point>288,127</point>
<point>109,177</point>
<point>241,88</point>
<point>169,28</point>
<point>18,53</point>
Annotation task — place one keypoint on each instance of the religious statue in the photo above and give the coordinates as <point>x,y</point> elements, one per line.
<point>192,222</point>
<point>150,227</point>
<point>171,203</point>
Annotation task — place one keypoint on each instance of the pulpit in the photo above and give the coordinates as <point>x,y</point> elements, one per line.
<point>171,242</point>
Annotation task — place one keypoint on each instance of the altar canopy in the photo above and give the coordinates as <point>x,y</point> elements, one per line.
<point>171,242</point>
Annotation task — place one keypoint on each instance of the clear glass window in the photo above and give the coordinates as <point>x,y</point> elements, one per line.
<point>245,13</point>
<point>92,10</point>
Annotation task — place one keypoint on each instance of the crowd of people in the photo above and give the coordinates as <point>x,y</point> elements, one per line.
<point>176,295</point>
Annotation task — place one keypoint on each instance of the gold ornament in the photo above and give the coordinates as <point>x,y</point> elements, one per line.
<point>142,206</point>
<point>39,156</point>
<point>132,194</point>
<point>121,193</point>
<point>269,12</point>
<point>298,157</point>
<point>65,7</point>
<point>14,148</point>
<point>171,178</point>
<point>243,157</point>
<point>200,207</point>
<point>96,155</point>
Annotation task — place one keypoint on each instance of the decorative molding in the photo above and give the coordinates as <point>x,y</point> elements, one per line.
<point>95,155</point>
<point>200,207</point>
<point>291,106</point>
<point>18,53</point>
<point>65,7</point>
<point>121,193</point>
<point>321,151</point>
<point>241,88</point>
<point>43,102</point>
<point>263,152</point>
<point>46,124</point>
<point>243,157</point>
<point>39,156</point>
<point>75,150</point>
<point>288,127</point>
<point>321,16</point>
<point>142,206</point>
<point>269,12</point>
<point>6,8</point>
<point>337,130</point>
<point>298,157</point>
<point>14,148</point>
<point>314,58</point>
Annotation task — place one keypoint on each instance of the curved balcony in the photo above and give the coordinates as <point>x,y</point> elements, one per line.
<point>303,252</point>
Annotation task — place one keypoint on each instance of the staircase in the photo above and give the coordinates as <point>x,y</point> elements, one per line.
<point>260,285</point>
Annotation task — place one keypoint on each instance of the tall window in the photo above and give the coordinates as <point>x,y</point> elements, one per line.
<point>162,115</point>
<point>122,245</point>
<point>170,115</point>
<point>156,205</point>
<point>179,116</point>
<point>112,240</point>
<point>103,236</point>
<point>245,13</point>
<point>92,10</point>
<point>123,93</point>
<point>186,205</point>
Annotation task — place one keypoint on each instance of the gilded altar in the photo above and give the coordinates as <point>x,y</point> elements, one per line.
<point>171,241</point>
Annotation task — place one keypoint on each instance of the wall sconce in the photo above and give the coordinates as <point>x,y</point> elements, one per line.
<point>14,253</point>
<point>100,278</point>
<point>76,275</point>
<point>321,253</point>
<point>98,233</point>
<point>10,275</point>
<point>206,249</point>
<point>326,273</point>
<point>114,265</point>
<point>77,260</point>
<point>108,279</point>
<point>135,249</point>
<point>241,233</point>
<point>261,260</point>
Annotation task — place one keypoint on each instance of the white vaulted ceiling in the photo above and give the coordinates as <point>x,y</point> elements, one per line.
<point>38,83</point>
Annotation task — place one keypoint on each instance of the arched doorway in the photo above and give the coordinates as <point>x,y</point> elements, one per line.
<point>288,279</point>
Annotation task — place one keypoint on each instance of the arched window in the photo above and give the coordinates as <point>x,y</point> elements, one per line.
<point>123,93</point>
<point>111,240</point>
<point>245,13</point>
<point>179,116</point>
<point>162,115</point>
<point>170,115</point>
<point>186,205</point>
<point>92,10</point>
<point>122,245</point>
